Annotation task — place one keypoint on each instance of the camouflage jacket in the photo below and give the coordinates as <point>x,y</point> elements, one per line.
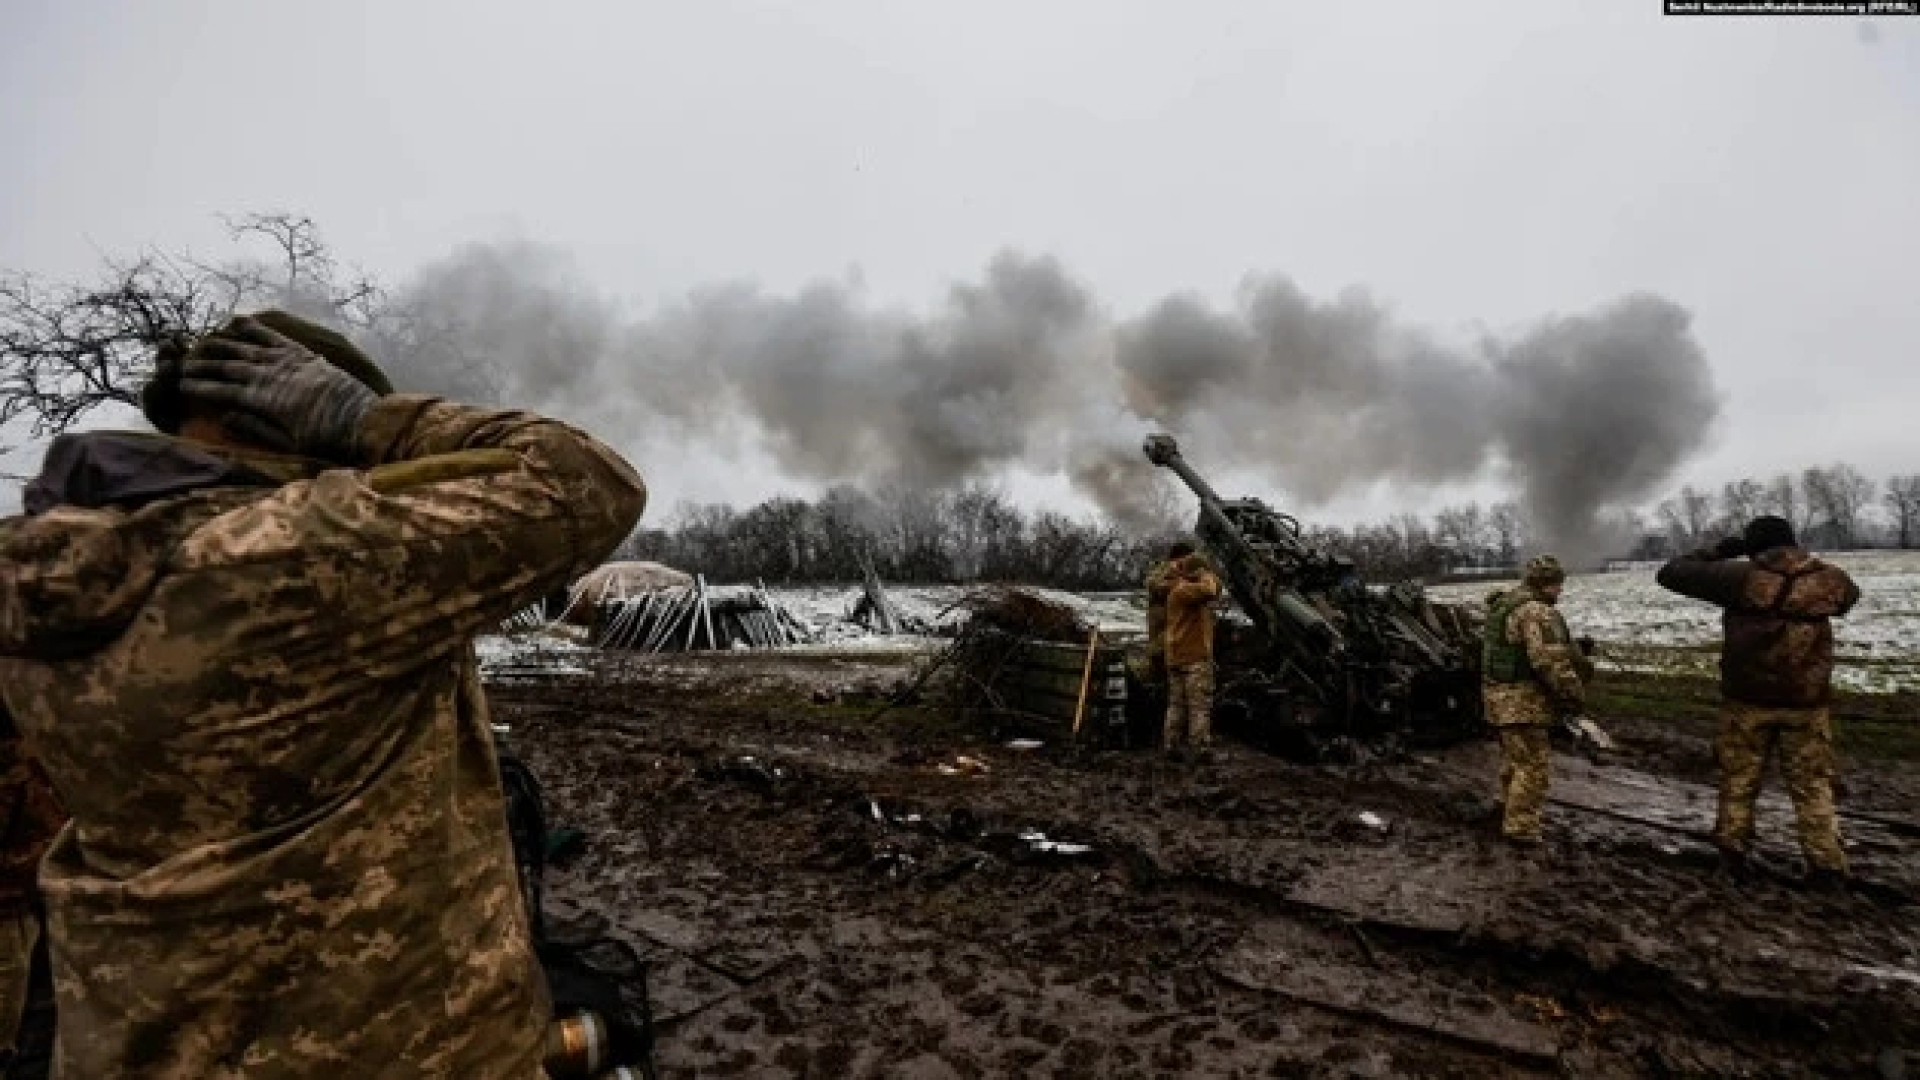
<point>1190,615</point>
<point>1160,581</point>
<point>30,815</point>
<point>288,854</point>
<point>1778,651</point>
<point>1559,670</point>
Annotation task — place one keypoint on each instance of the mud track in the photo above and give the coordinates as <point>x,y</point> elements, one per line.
<point>823,895</point>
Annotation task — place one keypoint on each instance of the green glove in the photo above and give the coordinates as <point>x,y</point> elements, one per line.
<point>277,393</point>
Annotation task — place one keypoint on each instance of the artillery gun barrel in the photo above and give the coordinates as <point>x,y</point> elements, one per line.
<point>1262,583</point>
<point>1163,451</point>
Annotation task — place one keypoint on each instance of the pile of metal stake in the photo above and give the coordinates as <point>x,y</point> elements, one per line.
<point>698,616</point>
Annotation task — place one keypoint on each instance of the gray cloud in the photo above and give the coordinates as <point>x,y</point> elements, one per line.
<point>1590,414</point>
<point>1023,368</point>
<point>1596,412</point>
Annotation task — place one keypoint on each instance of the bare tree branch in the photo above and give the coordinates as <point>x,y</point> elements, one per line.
<point>67,349</point>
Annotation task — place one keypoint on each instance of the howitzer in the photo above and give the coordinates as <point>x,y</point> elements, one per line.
<point>1334,652</point>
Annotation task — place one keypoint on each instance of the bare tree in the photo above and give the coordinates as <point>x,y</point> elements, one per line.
<point>1688,516</point>
<point>1784,501</point>
<point>1509,530</point>
<point>1740,502</point>
<point>1463,530</point>
<point>1836,496</point>
<point>1903,502</point>
<point>304,277</point>
<point>67,349</point>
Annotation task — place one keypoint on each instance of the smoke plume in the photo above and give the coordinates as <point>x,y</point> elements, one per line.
<point>1584,415</point>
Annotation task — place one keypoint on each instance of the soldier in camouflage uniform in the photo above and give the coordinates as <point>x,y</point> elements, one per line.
<point>1160,581</point>
<point>1190,654</point>
<point>1776,679</point>
<point>1532,675</point>
<point>245,657</point>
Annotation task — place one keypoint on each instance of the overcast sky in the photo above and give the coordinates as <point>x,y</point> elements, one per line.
<point>1473,164</point>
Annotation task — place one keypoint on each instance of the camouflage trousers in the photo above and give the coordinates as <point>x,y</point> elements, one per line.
<point>18,935</point>
<point>1802,739</point>
<point>1190,706</point>
<point>1523,779</point>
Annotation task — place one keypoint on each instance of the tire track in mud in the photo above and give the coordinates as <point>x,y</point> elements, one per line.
<point>1220,903</point>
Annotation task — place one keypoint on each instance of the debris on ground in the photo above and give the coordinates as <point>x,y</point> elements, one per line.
<point>876,611</point>
<point>815,898</point>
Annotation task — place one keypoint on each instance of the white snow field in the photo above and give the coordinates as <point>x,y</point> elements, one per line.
<point>1643,627</point>
<point>1640,626</point>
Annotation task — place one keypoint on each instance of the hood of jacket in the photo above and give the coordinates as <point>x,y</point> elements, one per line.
<point>103,518</point>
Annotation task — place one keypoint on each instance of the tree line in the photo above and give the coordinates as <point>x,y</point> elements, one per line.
<point>978,534</point>
<point>903,535</point>
<point>1835,507</point>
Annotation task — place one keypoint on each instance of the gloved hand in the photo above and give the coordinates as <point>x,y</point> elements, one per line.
<point>1732,547</point>
<point>275,392</point>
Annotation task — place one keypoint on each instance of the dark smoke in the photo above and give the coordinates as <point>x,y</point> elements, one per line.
<point>1585,415</point>
<point>840,390</point>
<point>499,322</point>
<point>1589,414</point>
<point>1598,411</point>
<point>1323,396</point>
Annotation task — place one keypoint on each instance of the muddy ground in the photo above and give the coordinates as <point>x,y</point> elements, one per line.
<point>827,894</point>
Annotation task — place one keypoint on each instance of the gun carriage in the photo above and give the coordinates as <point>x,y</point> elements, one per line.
<point>1327,658</point>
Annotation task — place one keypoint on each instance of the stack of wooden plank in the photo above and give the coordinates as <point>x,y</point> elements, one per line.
<point>697,617</point>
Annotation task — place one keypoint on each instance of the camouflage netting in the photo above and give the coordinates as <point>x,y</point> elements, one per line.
<point>1002,627</point>
<point>1021,614</point>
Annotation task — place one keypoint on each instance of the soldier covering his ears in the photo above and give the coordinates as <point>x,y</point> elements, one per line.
<point>1776,679</point>
<point>243,649</point>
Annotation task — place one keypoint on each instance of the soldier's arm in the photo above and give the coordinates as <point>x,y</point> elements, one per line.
<point>406,568</point>
<point>1849,592</point>
<point>1159,583</point>
<point>1703,576</point>
<point>1201,590</point>
<point>1550,656</point>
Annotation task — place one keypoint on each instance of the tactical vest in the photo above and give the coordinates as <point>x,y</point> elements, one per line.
<point>1501,660</point>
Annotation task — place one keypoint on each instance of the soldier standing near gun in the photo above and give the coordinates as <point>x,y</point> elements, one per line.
<point>1160,580</point>
<point>1776,680</point>
<point>1533,674</point>
<point>245,658</point>
<point>1190,654</point>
